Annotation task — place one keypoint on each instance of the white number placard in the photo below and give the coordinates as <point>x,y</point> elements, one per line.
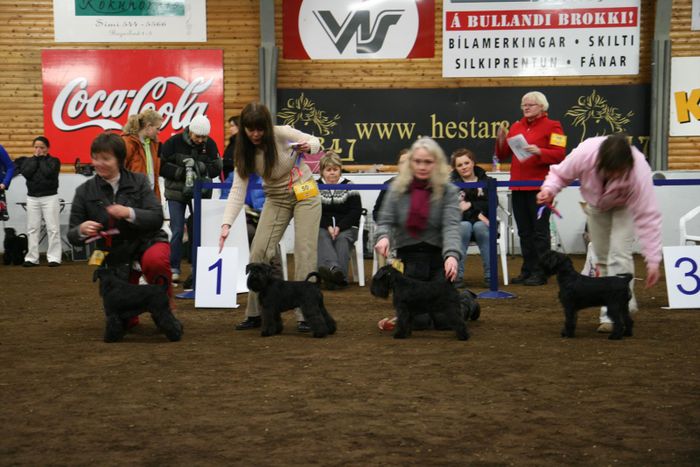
<point>682,266</point>
<point>217,275</point>
<point>212,212</point>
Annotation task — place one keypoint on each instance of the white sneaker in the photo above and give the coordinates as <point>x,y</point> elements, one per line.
<point>176,277</point>
<point>605,327</point>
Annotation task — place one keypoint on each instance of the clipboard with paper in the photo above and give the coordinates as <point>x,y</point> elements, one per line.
<point>518,144</point>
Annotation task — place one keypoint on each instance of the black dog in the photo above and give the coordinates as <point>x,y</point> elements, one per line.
<point>123,301</point>
<point>15,246</point>
<point>577,292</point>
<point>413,297</point>
<point>276,295</point>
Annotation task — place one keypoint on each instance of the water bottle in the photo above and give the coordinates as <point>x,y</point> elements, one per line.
<point>189,178</point>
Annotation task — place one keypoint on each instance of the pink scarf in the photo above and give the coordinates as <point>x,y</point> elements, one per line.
<point>419,209</point>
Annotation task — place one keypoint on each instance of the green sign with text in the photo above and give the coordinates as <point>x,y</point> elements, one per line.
<point>129,7</point>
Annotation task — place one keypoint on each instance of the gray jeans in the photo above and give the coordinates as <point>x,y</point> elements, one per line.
<point>335,253</point>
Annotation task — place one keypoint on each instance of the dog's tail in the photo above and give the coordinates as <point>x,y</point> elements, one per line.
<point>316,275</point>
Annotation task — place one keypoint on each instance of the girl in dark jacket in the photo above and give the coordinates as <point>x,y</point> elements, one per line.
<point>41,172</point>
<point>474,204</point>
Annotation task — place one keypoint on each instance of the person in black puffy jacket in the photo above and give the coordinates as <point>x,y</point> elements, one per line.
<point>41,172</point>
<point>194,148</point>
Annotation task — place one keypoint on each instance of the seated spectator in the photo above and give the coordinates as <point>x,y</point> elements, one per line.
<point>340,219</point>
<point>474,204</point>
<point>118,198</point>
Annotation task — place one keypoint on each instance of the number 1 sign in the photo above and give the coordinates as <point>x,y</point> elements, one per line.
<point>682,266</point>
<point>216,277</point>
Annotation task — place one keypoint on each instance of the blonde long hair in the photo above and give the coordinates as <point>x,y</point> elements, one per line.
<point>137,122</point>
<point>438,178</point>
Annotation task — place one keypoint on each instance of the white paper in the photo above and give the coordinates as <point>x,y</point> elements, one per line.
<point>518,143</point>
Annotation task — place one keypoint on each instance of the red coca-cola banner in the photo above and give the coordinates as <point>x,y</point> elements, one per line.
<point>90,91</point>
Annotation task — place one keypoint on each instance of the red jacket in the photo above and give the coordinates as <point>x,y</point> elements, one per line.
<point>537,132</point>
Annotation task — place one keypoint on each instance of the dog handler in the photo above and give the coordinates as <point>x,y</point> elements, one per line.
<point>275,153</point>
<point>118,198</point>
<point>616,182</point>
<point>421,213</point>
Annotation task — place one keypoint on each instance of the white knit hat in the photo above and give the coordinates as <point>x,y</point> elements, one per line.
<point>200,125</point>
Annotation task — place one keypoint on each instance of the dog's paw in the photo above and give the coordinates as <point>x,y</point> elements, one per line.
<point>463,336</point>
<point>615,336</point>
<point>319,334</point>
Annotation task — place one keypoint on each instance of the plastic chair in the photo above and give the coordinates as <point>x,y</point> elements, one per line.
<point>685,236</point>
<point>357,257</point>
<point>357,262</point>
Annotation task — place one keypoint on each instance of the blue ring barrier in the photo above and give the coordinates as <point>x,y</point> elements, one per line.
<point>491,186</point>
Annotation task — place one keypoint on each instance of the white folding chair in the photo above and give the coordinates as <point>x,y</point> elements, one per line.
<point>357,257</point>
<point>682,225</point>
<point>287,238</point>
<point>501,244</point>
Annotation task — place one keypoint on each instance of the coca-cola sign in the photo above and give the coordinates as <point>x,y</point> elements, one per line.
<point>90,91</point>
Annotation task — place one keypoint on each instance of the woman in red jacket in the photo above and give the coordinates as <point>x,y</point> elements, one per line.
<point>140,134</point>
<point>544,148</point>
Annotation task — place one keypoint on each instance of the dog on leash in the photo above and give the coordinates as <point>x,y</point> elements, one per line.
<point>277,295</point>
<point>577,292</point>
<point>123,300</point>
<point>414,297</point>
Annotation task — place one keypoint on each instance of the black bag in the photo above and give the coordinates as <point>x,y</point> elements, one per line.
<point>16,247</point>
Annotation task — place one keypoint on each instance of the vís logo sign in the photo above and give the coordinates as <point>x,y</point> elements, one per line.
<point>348,29</point>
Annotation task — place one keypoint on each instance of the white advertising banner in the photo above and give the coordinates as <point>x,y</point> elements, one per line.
<point>685,96</point>
<point>540,38</point>
<point>130,21</point>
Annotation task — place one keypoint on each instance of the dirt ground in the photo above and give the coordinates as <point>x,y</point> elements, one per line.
<point>515,393</point>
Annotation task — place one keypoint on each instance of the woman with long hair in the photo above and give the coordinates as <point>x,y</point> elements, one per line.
<point>276,154</point>
<point>140,134</point>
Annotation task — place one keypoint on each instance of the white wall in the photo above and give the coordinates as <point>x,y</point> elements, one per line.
<point>674,202</point>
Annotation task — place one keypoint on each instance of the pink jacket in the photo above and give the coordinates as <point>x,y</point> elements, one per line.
<point>636,191</point>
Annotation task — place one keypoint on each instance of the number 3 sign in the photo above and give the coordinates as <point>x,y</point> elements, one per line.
<point>216,277</point>
<point>682,266</point>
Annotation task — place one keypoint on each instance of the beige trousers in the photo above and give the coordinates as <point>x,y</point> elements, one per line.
<point>274,219</point>
<point>612,235</point>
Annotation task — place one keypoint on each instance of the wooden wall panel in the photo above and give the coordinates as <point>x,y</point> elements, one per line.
<point>26,27</point>
<point>683,152</point>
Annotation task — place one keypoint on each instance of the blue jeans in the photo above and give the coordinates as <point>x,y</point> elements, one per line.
<point>177,227</point>
<point>480,232</point>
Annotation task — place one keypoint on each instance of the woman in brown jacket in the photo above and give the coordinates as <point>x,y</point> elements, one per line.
<point>140,134</point>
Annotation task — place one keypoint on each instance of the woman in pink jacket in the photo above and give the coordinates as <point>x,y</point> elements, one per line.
<point>616,183</point>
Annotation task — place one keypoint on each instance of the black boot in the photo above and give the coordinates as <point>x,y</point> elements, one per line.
<point>251,322</point>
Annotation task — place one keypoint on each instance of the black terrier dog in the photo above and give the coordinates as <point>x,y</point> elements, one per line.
<point>276,295</point>
<point>413,297</point>
<point>15,246</point>
<point>123,300</point>
<point>577,292</point>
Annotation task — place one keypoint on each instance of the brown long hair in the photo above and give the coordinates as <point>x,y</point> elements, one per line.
<point>615,155</point>
<point>255,116</point>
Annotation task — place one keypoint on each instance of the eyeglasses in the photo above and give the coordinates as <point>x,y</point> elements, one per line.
<point>527,106</point>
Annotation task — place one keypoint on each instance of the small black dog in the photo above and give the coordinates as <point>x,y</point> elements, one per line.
<point>15,246</point>
<point>577,292</point>
<point>123,300</point>
<point>413,297</point>
<point>276,295</point>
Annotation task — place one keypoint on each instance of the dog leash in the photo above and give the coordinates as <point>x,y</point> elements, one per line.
<point>102,234</point>
<point>554,210</point>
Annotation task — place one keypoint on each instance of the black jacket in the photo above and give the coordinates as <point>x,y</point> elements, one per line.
<point>41,173</point>
<point>228,156</point>
<point>134,191</point>
<point>172,168</point>
<point>477,196</point>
